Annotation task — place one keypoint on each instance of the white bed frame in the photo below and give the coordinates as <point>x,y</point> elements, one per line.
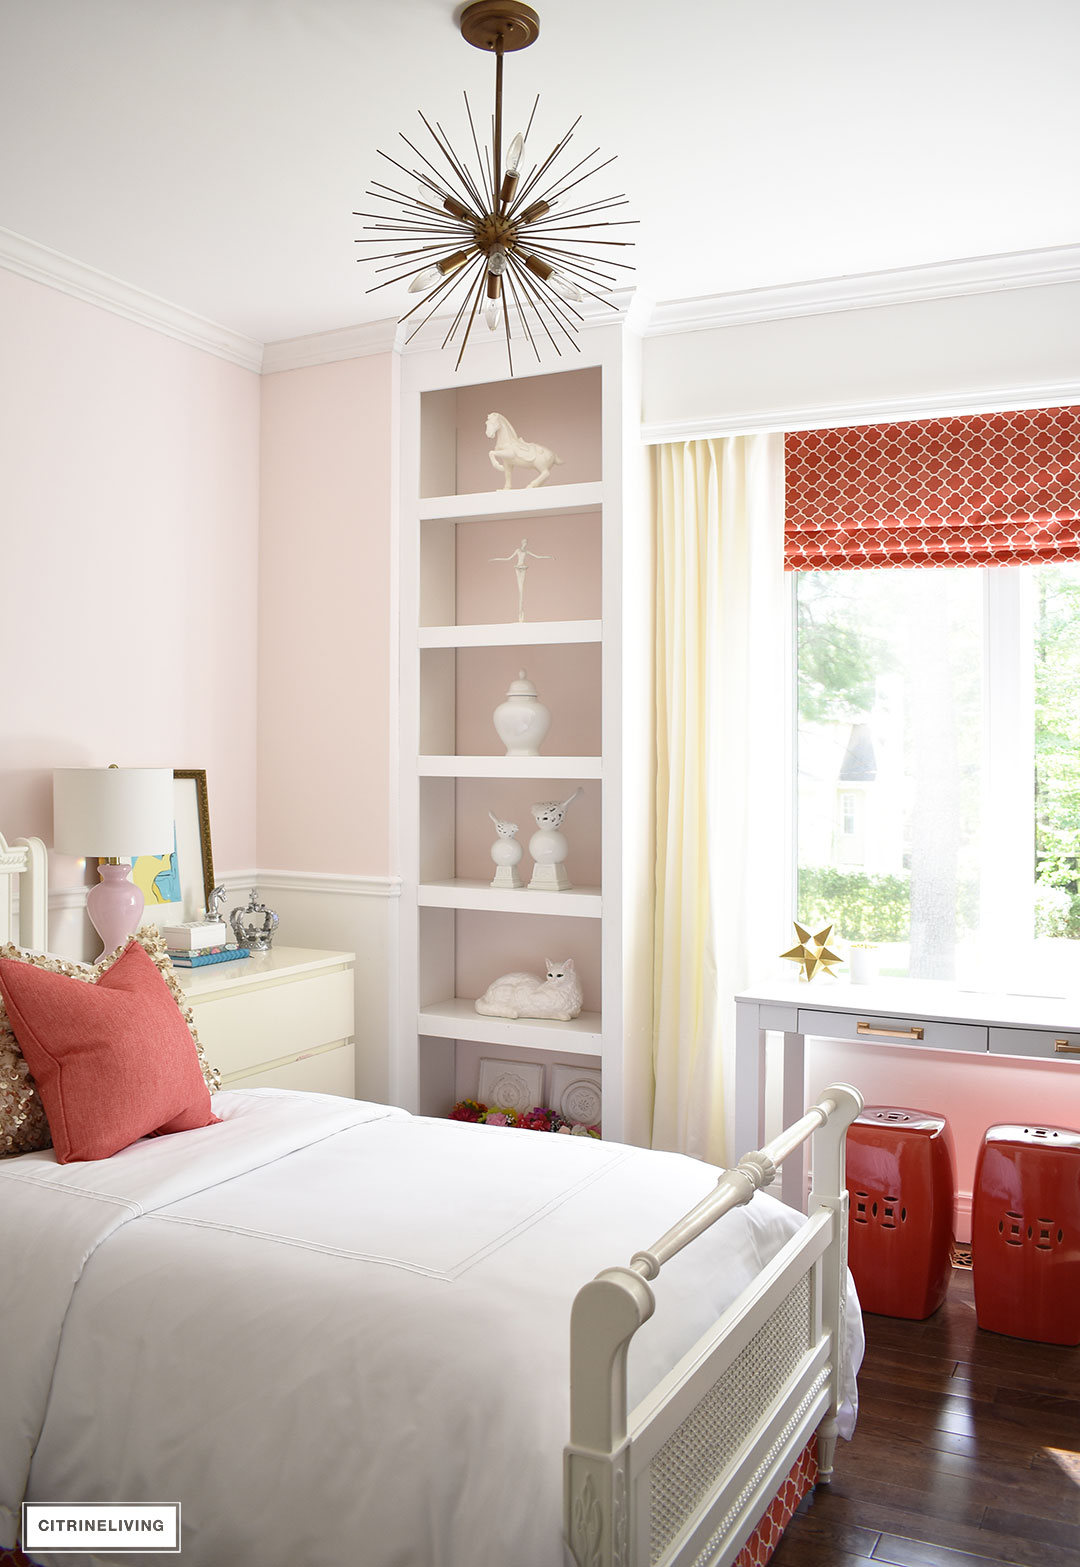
<point>24,909</point>
<point>683,1479</point>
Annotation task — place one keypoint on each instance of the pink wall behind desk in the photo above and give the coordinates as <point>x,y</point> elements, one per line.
<point>128,533</point>
<point>974,1091</point>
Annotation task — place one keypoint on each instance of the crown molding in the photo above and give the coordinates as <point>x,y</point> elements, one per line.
<point>868,290</point>
<point>324,348</point>
<point>42,265</point>
<point>996,399</point>
<point>859,291</point>
<point>394,336</point>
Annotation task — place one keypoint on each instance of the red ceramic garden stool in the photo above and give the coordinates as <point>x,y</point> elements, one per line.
<point>1025,1233</point>
<point>901,1185</point>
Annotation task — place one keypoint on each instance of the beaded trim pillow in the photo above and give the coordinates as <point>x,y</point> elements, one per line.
<point>23,1126</point>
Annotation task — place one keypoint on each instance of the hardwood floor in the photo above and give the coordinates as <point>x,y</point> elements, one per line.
<point>967,1452</point>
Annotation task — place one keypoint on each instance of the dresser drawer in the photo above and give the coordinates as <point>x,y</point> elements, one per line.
<point>876,1029</point>
<point>1050,1044</point>
<point>322,1072</point>
<point>275,1021</point>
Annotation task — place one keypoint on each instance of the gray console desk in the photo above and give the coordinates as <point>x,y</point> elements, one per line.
<point>889,1012</point>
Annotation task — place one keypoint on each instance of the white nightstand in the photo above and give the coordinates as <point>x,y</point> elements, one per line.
<point>279,1019</point>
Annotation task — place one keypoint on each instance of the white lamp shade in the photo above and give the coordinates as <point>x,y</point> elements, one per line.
<point>113,812</point>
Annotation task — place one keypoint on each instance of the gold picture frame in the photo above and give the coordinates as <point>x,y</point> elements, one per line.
<point>193,832</point>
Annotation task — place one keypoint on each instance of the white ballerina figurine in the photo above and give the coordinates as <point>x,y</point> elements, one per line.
<point>510,452</point>
<point>556,996</point>
<point>549,847</point>
<point>507,853</point>
<point>520,557</point>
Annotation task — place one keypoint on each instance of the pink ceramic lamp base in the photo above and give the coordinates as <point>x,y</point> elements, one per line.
<point>115,906</point>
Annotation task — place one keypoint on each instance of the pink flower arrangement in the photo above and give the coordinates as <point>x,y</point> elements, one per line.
<point>539,1119</point>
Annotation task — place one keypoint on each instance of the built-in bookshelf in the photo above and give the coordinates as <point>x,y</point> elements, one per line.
<point>583,643</point>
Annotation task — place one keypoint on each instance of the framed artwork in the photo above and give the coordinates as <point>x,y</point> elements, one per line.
<point>511,1085</point>
<point>575,1093</point>
<point>176,885</point>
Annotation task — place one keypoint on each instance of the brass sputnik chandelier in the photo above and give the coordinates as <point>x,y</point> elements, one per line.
<point>484,239</point>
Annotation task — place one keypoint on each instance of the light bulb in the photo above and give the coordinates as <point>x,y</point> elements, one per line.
<point>496,261</point>
<point>562,285</point>
<point>510,170</point>
<point>425,280</point>
<point>431,275</point>
<point>492,314</point>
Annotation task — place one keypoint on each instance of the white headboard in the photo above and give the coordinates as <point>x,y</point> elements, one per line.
<point>23,871</point>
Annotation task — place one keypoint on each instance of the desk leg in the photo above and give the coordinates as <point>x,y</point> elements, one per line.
<point>793,1173</point>
<point>749,1080</point>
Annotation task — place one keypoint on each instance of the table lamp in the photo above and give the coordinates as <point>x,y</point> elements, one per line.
<point>113,814</point>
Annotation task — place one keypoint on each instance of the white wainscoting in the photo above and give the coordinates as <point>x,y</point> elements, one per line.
<point>346,913</point>
<point>316,909</point>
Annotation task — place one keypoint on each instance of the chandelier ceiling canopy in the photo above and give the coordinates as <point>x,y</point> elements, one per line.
<point>488,233</point>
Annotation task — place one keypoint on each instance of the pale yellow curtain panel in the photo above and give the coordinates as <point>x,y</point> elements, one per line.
<point>722,635</point>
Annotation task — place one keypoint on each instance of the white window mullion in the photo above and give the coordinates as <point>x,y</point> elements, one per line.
<point>1008,881</point>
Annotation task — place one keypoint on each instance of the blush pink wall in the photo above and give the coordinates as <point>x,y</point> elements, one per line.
<point>325,617</point>
<point>973,1091</point>
<point>128,532</point>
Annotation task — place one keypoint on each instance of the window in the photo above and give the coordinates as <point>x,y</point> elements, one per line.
<point>938,768</point>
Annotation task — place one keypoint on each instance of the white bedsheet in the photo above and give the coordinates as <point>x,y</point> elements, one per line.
<point>337,1334</point>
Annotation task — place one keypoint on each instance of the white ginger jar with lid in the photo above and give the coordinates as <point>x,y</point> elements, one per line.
<point>522,720</point>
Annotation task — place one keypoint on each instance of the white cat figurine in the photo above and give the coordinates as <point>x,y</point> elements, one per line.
<point>557,996</point>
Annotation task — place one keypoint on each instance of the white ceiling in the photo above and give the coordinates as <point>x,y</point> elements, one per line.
<point>211,152</point>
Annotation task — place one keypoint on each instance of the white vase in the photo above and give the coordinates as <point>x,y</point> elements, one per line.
<point>522,720</point>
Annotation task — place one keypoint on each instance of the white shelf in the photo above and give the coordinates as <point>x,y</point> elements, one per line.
<point>509,766</point>
<point>459,1019</point>
<point>577,902</point>
<point>537,633</point>
<point>559,500</point>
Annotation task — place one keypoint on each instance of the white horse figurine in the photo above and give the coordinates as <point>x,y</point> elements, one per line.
<point>510,452</point>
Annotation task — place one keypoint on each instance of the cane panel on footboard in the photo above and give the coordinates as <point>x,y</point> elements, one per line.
<point>704,1467</point>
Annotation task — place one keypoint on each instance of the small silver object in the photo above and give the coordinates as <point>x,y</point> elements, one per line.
<point>254,926</point>
<point>215,903</point>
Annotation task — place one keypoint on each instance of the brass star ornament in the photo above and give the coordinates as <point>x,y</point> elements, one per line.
<point>812,951</point>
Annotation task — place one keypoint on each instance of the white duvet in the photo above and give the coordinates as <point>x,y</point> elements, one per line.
<point>337,1334</point>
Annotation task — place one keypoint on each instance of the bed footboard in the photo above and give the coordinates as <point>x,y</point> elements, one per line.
<point>683,1479</point>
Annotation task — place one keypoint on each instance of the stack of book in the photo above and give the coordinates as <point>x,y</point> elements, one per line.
<point>201,942</point>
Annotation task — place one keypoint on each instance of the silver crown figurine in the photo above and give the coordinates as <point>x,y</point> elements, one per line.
<point>254,926</point>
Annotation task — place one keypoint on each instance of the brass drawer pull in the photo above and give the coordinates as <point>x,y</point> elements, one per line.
<point>892,1033</point>
<point>1063,1048</point>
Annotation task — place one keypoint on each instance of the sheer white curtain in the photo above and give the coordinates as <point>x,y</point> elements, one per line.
<point>722,638</point>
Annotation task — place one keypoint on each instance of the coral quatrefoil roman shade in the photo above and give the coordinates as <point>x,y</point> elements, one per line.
<point>997,489</point>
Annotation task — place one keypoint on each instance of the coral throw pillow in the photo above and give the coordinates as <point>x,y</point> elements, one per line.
<point>113,1061</point>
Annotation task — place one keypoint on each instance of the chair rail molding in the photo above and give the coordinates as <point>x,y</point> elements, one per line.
<point>74,896</point>
<point>325,881</point>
